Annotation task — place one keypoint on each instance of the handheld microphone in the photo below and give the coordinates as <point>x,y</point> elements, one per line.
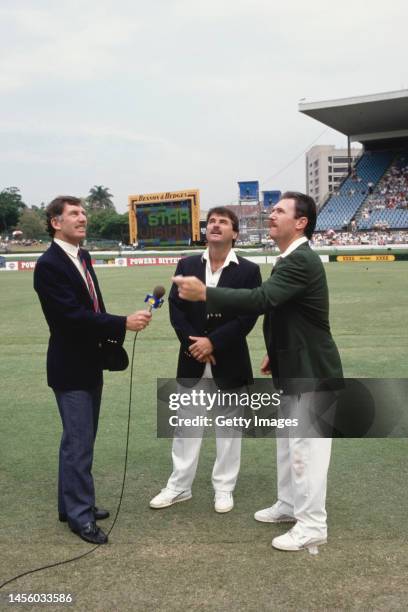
<point>155,300</point>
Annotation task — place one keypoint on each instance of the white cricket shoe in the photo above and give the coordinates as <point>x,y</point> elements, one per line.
<point>273,515</point>
<point>167,498</point>
<point>224,502</point>
<point>293,540</point>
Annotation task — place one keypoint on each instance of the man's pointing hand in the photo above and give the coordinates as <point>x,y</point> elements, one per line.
<point>190,288</point>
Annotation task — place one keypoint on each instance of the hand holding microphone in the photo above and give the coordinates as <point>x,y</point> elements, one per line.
<point>138,320</point>
<point>141,318</point>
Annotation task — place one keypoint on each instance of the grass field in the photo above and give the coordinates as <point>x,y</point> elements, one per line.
<point>187,557</point>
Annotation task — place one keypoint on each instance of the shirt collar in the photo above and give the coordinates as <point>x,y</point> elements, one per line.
<point>294,245</point>
<point>70,249</point>
<point>231,257</point>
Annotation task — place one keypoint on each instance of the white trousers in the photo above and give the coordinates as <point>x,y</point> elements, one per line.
<point>302,467</point>
<point>186,449</point>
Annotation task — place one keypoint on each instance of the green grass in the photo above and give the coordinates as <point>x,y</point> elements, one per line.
<point>187,557</point>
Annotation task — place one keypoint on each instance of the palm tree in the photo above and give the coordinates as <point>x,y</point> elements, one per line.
<point>99,198</point>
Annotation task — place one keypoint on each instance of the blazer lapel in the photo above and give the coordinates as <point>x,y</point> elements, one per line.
<point>227,275</point>
<point>71,269</point>
<point>201,269</point>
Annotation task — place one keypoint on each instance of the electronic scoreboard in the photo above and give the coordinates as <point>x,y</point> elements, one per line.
<point>165,219</point>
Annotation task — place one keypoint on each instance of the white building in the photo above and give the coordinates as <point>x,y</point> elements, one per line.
<point>326,167</point>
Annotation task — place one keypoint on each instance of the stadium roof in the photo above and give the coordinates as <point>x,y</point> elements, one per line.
<point>363,118</point>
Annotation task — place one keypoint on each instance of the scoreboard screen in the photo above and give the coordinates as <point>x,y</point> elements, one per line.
<point>164,223</point>
<point>168,218</point>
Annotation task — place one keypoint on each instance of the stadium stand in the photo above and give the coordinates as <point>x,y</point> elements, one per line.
<point>343,205</point>
<point>373,238</point>
<point>387,207</point>
<point>374,195</point>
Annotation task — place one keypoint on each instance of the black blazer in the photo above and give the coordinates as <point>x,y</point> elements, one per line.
<point>76,330</point>
<point>226,331</point>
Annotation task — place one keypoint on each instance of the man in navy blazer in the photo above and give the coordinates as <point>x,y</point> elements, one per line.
<point>213,355</point>
<point>78,322</point>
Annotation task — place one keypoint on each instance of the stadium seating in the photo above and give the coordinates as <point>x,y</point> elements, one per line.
<point>341,207</point>
<point>390,219</point>
<point>387,207</point>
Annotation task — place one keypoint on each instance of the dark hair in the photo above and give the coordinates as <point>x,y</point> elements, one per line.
<point>305,206</point>
<point>225,212</point>
<point>56,208</point>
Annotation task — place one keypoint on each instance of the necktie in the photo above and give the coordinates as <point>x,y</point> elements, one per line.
<point>89,283</point>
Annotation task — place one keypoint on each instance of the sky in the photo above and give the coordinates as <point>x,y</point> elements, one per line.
<point>181,94</point>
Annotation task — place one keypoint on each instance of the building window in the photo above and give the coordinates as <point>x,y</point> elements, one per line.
<point>340,160</point>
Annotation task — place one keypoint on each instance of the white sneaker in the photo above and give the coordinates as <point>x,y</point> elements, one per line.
<point>293,540</point>
<point>224,502</point>
<point>167,497</point>
<point>273,515</point>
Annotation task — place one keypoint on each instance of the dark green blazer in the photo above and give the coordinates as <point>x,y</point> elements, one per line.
<point>295,301</point>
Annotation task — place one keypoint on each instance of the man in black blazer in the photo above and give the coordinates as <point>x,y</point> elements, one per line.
<point>301,354</point>
<point>78,322</point>
<point>213,355</point>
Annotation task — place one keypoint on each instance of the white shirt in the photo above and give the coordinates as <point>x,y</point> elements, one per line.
<point>293,245</point>
<point>212,280</point>
<point>73,253</point>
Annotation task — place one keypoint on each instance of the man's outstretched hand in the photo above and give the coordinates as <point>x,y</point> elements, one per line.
<point>190,288</point>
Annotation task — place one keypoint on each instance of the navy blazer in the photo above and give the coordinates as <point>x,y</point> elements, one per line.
<point>76,330</point>
<point>226,331</point>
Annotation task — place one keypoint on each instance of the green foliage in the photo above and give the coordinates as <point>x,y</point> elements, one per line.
<point>11,205</point>
<point>100,198</point>
<point>32,223</point>
<point>108,224</point>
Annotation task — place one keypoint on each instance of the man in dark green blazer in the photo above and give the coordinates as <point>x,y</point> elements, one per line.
<point>300,354</point>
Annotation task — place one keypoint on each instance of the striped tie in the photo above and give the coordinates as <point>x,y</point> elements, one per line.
<point>89,282</point>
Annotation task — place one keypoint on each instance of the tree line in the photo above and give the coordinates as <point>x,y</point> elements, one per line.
<point>103,220</point>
